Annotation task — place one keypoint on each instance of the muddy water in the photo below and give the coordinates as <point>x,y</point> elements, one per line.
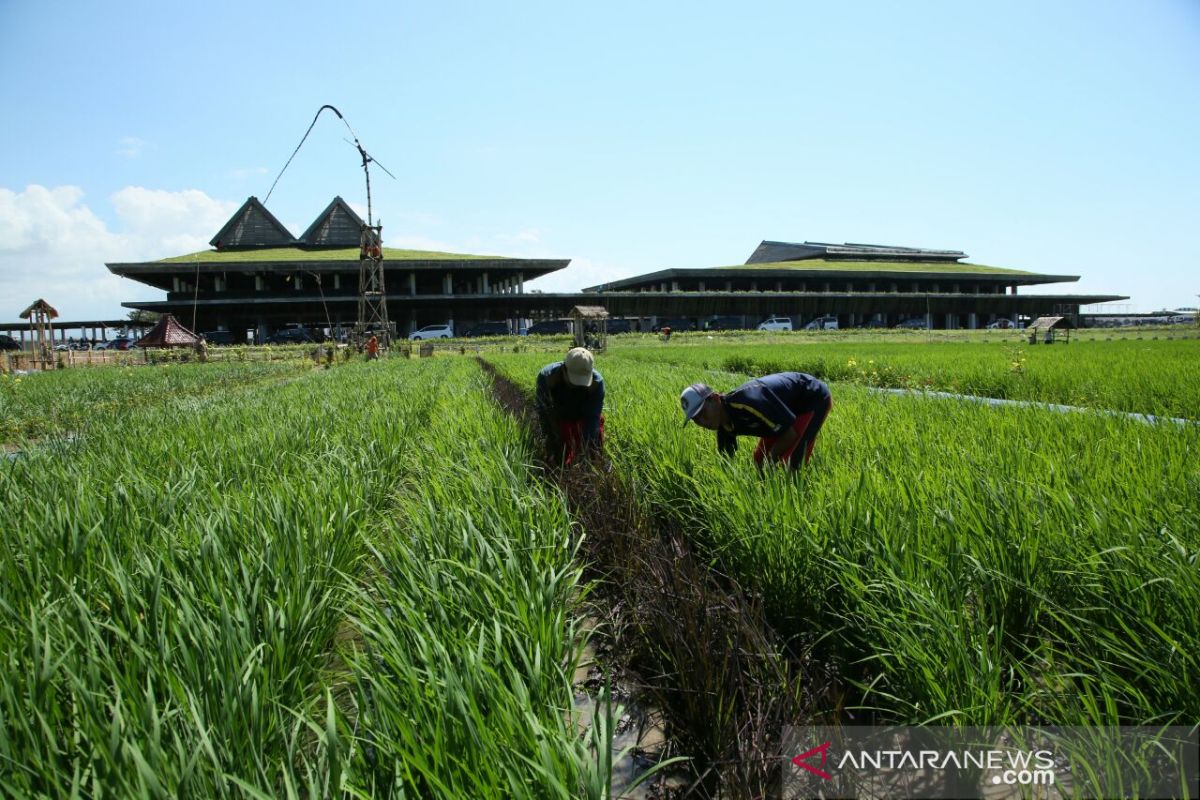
<point>639,737</point>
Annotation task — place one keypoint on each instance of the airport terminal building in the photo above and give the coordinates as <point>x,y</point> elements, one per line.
<point>858,284</point>
<point>259,278</point>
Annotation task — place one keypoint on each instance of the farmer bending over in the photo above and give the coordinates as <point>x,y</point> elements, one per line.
<point>570,398</point>
<point>785,410</point>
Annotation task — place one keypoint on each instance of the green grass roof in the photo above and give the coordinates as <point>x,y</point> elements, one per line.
<point>300,254</point>
<point>948,267</point>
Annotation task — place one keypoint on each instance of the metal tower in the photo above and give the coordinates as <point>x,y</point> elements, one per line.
<point>372,295</point>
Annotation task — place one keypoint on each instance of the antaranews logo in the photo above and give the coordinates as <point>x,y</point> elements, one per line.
<point>801,760</point>
<point>943,762</point>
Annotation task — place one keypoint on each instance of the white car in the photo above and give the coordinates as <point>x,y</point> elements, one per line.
<point>776,324</point>
<point>1001,324</point>
<point>433,332</point>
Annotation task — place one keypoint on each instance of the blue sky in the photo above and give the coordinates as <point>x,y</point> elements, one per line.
<point>1055,137</point>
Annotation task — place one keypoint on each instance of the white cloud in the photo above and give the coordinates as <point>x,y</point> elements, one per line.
<point>579,274</point>
<point>52,245</point>
<point>131,146</point>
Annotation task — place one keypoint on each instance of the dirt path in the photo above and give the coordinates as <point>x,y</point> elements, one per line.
<point>725,681</point>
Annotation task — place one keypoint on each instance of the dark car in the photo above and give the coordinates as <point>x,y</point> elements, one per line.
<point>218,337</point>
<point>916,323</point>
<point>489,329</point>
<point>8,343</point>
<point>619,326</point>
<point>291,336</point>
<point>120,343</point>
<point>676,325</point>
<point>724,324</point>
<point>549,327</point>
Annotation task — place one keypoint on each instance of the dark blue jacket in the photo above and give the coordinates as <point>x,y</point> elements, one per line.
<point>769,405</point>
<point>559,398</point>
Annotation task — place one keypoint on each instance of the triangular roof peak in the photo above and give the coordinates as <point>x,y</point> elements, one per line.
<point>168,332</point>
<point>336,226</point>
<point>41,306</point>
<point>252,226</point>
<point>774,252</point>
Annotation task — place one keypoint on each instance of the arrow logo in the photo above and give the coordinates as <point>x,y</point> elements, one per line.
<point>824,751</point>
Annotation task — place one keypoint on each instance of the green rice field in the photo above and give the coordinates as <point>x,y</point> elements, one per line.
<point>270,579</point>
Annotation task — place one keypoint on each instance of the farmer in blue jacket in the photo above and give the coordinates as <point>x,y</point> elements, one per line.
<point>785,410</point>
<point>569,400</point>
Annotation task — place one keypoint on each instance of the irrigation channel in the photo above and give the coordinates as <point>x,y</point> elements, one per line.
<point>996,402</point>
<point>679,639</point>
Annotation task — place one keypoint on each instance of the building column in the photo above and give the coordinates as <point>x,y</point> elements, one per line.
<point>951,321</point>
<point>674,286</point>
<point>729,286</point>
<point>448,283</point>
<point>972,321</point>
<point>702,286</point>
<point>520,283</point>
<point>486,288</point>
<point>412,282</point>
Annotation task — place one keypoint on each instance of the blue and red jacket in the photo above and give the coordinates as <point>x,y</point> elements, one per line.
<point>769,405</point>
<point>557,397</point>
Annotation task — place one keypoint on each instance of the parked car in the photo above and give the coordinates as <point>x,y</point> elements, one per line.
<point>549,327</point>
<point>776,324</point>
<point>218,337</point>
<point>489,329</point>
<point>914,323</point>
<point>618,326</point>
<point>122,343</point>
<point>8,343</point>
<point>676,325</point>
<point>825,323</point>
<point>873,323</point>
<point>433,332</point>
<point>724,324</point>
<point>291,336</point>
<point>1000,324</point>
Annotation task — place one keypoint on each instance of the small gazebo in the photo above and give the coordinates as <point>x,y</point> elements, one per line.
<point>1050,330</point>
<point>39,315</point>
<point>590,326</point>
<point>167,332</point>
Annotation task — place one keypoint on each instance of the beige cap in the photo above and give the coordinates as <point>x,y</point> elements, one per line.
<point>579,366</point>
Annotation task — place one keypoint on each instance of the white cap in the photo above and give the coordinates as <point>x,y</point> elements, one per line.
<point>578,364</point>
<point>692,399</point>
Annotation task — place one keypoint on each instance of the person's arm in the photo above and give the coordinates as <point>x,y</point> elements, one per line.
<point>726,442</point>
<point>544,403</point>
<point>591,421</point>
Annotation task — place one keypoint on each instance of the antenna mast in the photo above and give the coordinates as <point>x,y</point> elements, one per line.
<point>372,294</point>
